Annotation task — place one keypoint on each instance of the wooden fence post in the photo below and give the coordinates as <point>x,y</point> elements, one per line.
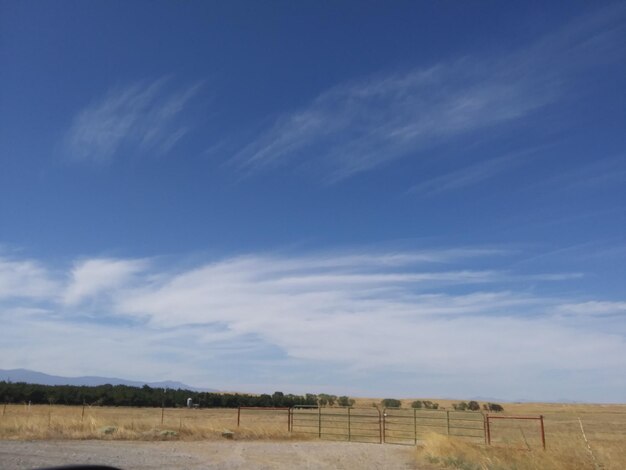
<point>319,421</point>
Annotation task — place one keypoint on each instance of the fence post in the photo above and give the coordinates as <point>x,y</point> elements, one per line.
<point>319,420</point>
<point>384,425</point>
<point>485,428</point>
<point>349,428</point>
<point>380,426</point>
<point>238,415</point>
<point>415,425</point>
<point>543,434</point>
<point>488,430</point>
<point>448,421</point>
<point>289,420</point>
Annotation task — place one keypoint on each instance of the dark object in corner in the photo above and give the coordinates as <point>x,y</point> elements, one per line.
<point>80,467</point>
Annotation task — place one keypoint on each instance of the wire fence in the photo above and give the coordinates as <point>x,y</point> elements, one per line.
<point>345,424</point>
<point>367,424</point>
<point>397,425</point>
<point>403,426</point>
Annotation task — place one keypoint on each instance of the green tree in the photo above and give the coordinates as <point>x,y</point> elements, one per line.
<point>345,401</point>
<point>391,403</point>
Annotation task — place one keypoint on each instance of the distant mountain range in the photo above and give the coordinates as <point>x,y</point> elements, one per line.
<point>33,377</point>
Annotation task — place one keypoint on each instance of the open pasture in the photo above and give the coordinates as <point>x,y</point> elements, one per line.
<point>599,443</point>
<point>516,443</point>
<point>127,423</point>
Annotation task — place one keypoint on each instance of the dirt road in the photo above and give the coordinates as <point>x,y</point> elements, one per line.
<point>226,455</point>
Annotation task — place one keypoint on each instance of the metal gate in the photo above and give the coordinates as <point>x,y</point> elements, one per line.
<point>344,424</point>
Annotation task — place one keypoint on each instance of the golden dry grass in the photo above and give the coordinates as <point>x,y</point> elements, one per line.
<point>516,444</point>
<point>450,452</point>
<point>69,422</point>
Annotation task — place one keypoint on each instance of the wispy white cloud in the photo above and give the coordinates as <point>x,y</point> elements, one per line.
<point>361,313</point>
<point>463,177</point>
<point>142,117</point>
<point>92,277</point>
<point>601,174</point>
<point>360,125</point>
<point>25,278</point>
<point>592,308</point>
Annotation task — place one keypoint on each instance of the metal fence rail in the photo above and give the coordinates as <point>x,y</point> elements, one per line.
<point>402,426</point>
<point>349,424</point>
<point>390,425</point>
<point>369,425</point>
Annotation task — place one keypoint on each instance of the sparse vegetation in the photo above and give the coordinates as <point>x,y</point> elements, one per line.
<point>391,403</point>
<point>493,407</point>
<point>427,404</point>
<point>473,406</point>
<point>345,401</point>
<point>326,400</point>
<point>464,406</point>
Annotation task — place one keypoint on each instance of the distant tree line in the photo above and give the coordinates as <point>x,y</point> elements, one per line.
<point>430,405</point>
<point>465,406</point>
<point>475,406</point>
<point>395,403</point>
<point>123,395</point>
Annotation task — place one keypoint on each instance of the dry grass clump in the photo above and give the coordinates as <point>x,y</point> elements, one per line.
<point>450,452</point>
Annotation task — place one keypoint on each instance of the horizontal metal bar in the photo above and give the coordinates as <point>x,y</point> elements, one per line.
<point>397,435</point>
<point>478,436</point>
<point>265,408</point>
<point>366,417</point>
<point>411,416</point>
<point>538,418</point>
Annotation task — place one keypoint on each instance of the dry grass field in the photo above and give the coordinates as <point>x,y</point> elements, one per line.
<point>516,444</point>
<point>75,422</point>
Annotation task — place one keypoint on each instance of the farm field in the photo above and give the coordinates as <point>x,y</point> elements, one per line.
<point>515,443</point>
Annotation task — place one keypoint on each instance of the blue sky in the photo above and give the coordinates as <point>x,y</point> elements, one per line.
<point>416,199</point>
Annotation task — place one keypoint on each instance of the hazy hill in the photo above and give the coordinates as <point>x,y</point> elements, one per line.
<point>34,377</point>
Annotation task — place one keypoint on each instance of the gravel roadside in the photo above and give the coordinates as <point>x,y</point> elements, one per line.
<point>226,455</point>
